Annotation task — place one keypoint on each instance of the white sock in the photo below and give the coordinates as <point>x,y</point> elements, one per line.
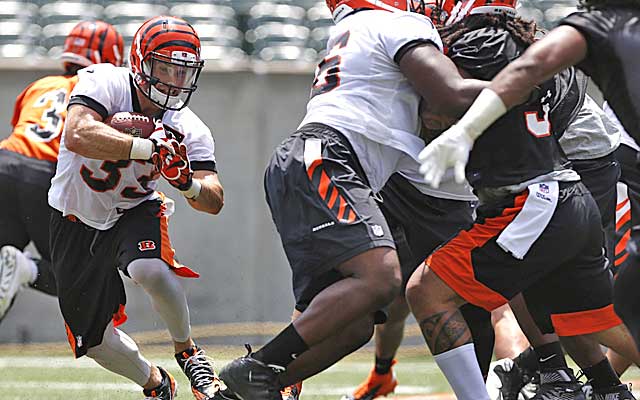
<point>461,369</point>
<point>166,294</point>
<point>119,354</point>
<point>33,268</point>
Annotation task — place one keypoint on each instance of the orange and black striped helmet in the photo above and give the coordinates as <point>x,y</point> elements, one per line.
<point>93,42</point>
<point>165,61</point>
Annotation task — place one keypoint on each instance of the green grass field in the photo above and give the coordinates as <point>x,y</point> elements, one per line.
<point>49,372</point>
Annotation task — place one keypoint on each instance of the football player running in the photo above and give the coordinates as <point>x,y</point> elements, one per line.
<point>361,127</point>
<point>604,42</point>
<point>108,217</point>
<point>28,160</point>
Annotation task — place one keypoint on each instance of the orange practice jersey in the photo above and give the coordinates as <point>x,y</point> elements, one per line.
<point>38,118</point>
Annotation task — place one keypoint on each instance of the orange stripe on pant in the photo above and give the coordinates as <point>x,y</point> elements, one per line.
<point>167,254</point>
<point>452,262</point>
<point>585,322</point>
<point>71,339</point>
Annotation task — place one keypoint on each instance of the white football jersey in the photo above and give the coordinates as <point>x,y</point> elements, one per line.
<point>625,139</point>
<point>97,191</point>
<point>360,91</point>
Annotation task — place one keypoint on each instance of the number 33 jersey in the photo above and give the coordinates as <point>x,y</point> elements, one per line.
<point>360,91</point>
<point>97,191</point>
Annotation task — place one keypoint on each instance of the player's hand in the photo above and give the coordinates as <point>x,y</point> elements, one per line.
<point>160,139</point>
<point>450,149</point>
<point>174,165</point>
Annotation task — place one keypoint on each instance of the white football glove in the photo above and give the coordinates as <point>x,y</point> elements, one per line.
<point>450,149</point>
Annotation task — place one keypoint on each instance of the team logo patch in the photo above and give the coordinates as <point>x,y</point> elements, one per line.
<point>146,245</point>
<point>544,188</point>
<point>377,230</point>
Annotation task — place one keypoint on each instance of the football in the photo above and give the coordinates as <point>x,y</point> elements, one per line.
<point>131,123</point>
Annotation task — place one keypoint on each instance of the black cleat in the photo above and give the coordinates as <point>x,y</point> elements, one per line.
<point>251,379</point>
<point>196,366</point>
<point>559,384</point>
<point>167,389</point>
<point>619,392</point>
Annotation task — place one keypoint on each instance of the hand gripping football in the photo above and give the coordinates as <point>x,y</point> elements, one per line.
<point>131,123</point>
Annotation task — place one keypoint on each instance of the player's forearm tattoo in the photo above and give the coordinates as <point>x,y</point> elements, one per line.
<point>445,331</point>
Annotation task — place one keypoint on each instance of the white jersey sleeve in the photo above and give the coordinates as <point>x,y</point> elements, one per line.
<point>105,96</point>
<point>407,28</point>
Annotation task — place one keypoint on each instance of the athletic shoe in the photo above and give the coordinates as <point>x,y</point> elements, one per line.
<point>505,380</point>
<point>292,392</point>
<point>196,366</point>
<point>376,385</point>
<point>14,274</point>
<point>251,379</point>
<point>560,384</point>
<point>167,389</point>
<point>619,392</point>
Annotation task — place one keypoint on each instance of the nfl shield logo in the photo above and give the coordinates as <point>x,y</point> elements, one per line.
<point>377,230</point>
<point>544,188</point>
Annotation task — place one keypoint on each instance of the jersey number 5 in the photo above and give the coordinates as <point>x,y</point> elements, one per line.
<point>327,73</point>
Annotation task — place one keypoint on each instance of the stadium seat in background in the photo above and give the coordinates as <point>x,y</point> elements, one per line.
<point>200,13</point>
<point>132,12</point>
<point>68,11</point>
<point>18,11</point>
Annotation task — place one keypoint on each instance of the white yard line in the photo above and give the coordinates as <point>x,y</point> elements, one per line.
<point>85,362</point>
<point>311,390</point>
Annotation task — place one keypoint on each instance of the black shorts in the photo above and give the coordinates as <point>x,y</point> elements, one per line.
<point>563,272</point>
<point>628,203</point>
<point>600,175</point>
<point>322,206</point>
<point>419,222</point>
<point>86,264</point>
<point>24,212</point>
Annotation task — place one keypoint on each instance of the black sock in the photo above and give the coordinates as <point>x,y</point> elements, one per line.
<point>282,349</point>
<point>602,375</point>
<point>528,361</point>
<point>550,356</point>
<point>383,365</point>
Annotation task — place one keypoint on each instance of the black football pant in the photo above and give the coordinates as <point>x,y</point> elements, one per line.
<point>24,211</point>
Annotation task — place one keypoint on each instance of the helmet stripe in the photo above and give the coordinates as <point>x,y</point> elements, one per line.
<point>162,21</point>
<point>150,40</point>
<point>102,38</point>
<point>176,43</point>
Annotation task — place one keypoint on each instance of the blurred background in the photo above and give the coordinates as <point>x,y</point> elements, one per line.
<point>252,94</point>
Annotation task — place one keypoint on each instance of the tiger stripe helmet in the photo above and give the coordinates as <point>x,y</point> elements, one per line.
<point>341,8</point>
<point>165,61</point>
<point>93,42</point>
<point>464,8</point>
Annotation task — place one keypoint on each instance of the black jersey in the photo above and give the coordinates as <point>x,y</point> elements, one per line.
<point>613,58</point>
<point>522,144</point>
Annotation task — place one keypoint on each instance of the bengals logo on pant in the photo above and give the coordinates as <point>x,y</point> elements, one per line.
<point>146,245</point>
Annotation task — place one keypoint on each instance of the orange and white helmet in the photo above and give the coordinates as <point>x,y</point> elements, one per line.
<point>93,42</point>
<point>165,61</point>
<point>464,8</point>
<point>341,8</point>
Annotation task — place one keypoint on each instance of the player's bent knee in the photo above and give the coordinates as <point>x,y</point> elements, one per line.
<point>150,272</point>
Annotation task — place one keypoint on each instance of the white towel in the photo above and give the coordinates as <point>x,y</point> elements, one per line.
<point>518,237</point>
